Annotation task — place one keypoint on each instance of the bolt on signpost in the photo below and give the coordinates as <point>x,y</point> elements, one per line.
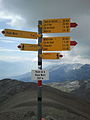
<point>62,25</point>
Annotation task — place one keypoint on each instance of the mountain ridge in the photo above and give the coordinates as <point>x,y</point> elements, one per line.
<point>23,101</point>
<point>63,72</point>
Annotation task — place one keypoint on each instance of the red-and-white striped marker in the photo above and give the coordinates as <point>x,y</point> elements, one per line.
<point>60,55</point>
<point>73,43</point>
<point>19,46</point>
<point>39,83</point>
<point>3,32</point>
<point>73,24</point>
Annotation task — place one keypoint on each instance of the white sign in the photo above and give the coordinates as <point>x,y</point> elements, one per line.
<point>40,75</point>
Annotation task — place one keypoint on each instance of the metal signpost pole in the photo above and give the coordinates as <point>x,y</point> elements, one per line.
<point>39,98</point>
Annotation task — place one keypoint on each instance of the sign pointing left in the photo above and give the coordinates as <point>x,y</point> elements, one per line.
<point>28,47</point>
<point>20,34</point>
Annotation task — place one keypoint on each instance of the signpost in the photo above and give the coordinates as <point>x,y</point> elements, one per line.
<point>61,25</point>
<point>73,24</point>
<point>20,34</point>
<point>40,75</point>
<point>56,25</point>
<point>56,44</point>
<point>28,47</point>
<point>51,55</point>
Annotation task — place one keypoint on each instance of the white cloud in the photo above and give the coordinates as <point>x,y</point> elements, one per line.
<point>6,50</point>
<point>16,55</point>
<point>17,21</point>
<point>21,13</point>
<point>1,30</point>
<point>0,1</point>
<point>13,20</point>
<point>14,58</point>
<point>6,41</point>
<point>84,23</point>
<point>68,59</point>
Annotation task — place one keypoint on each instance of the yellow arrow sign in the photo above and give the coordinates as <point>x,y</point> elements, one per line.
<point>56,43</point>
<point>28,47</point>
<point>56,25</point>
<point>20,34</point>
<point>50,55</point>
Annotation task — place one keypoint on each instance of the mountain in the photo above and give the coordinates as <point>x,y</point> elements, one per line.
<point>63,72</point>
<point>24,77</point>
<point>78,87</point>
<point>70,72</point>
<point>8,69</point>
<point>18,101</point>
<point>84,89</point>
<point>66,86</point>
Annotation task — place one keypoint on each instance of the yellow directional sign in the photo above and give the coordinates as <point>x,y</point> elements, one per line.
<point>56,43</point>
<point>50,55</point>
<point>28,47</point>
<point>20,34</point>
<point>56,25</point>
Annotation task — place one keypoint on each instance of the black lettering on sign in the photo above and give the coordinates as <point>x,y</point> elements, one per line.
<point>67,26</point>
<point>47,38</point>
<point>39,78</point>
<point>67,20</point>
<point>37,74</point>
<point>51,42</point>
<point>63,20</point>
<point>67,23</point>
<point>37,71</point>
<point>67,30</point>
<point>44,49</point>
<point>42,74</point>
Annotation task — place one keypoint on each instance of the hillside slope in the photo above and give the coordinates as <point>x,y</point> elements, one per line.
<point>18,101</point>
<point>84,89</point>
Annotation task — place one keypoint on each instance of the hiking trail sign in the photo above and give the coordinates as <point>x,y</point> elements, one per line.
<point>40,75</point>
<point>56,44</point>
<point>51,55</point>
<point>20,34</point>
<point>28,47</point>
<point>56,25</point>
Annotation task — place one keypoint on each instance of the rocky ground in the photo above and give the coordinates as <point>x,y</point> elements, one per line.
<point>18,101</point>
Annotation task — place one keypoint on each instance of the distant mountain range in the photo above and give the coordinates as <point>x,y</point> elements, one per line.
<point>8,69</point>
<point>77,87</point>
<point>62,72</point>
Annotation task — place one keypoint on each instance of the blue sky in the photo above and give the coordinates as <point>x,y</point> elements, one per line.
<point>24,15</point>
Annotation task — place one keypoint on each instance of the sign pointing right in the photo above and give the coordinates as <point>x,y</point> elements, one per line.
<point>51,55</point>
